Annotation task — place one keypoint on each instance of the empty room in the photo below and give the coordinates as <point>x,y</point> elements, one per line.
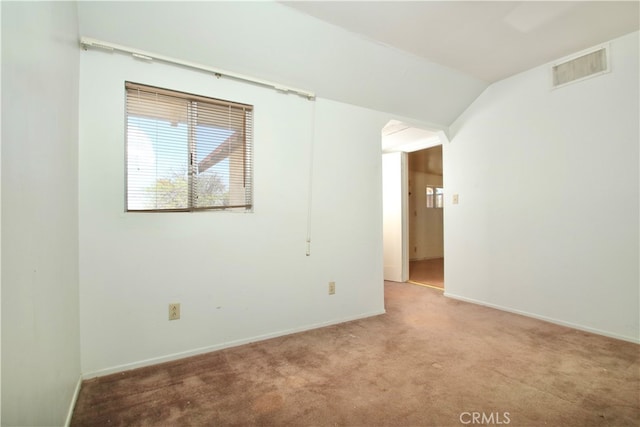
<point>199,225</point>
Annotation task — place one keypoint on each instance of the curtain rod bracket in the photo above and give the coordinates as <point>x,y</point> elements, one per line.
<point>143,57</point>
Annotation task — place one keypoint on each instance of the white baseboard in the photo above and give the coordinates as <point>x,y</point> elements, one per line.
<point>202,350</point>
<point>74,399</point>
<point>634,340</point>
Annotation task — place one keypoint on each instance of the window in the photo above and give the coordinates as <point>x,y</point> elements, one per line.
<point>435,197</point>
<point>186,152</point>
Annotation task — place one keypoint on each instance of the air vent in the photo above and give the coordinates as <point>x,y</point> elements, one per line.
<point>593,63</point>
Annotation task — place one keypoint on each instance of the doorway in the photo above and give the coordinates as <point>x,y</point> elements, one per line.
<point>426,205</point>
<point>413,199</point>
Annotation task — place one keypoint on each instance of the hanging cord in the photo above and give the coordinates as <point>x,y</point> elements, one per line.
<point>310,190</point>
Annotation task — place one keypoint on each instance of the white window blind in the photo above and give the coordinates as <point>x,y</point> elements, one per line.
<point>186,152</point>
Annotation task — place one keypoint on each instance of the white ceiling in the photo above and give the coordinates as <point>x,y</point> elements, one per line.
<point>421,62</point>
<point>400,136</point>
<point>270,41</point>
<point>489,40</point>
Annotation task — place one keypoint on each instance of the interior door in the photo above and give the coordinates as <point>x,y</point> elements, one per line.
<point>394,212</point>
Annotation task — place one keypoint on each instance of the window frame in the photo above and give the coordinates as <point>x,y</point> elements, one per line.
<point>243,139</point>
<point>436,197</point>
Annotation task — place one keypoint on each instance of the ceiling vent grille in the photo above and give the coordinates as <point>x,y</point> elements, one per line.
<point>593,63</point>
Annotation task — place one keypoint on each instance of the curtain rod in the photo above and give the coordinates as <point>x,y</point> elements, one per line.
<point>87,42</point>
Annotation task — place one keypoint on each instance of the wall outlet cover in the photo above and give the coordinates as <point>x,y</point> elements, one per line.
<point>174,311</point>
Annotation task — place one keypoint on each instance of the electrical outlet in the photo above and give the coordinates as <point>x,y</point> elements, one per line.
<point>174,311</point>
<point>332,288</point>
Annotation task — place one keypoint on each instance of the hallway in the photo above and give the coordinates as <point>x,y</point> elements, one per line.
<point>427,272</point>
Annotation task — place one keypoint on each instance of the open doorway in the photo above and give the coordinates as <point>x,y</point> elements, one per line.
<point>413,197</point>
<point>426,203</point>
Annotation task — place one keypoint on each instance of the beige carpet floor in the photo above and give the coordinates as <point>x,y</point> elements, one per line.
<point>430,361</point>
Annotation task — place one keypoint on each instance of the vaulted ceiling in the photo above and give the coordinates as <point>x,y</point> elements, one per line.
<point>489,40</point>
<point>423,61</point>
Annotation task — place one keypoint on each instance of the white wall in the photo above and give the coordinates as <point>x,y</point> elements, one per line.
<point>394,213</point>
<point>0,219</point>
<point>238,276</point>
<point>40,330</point>
<point>548,180</point>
